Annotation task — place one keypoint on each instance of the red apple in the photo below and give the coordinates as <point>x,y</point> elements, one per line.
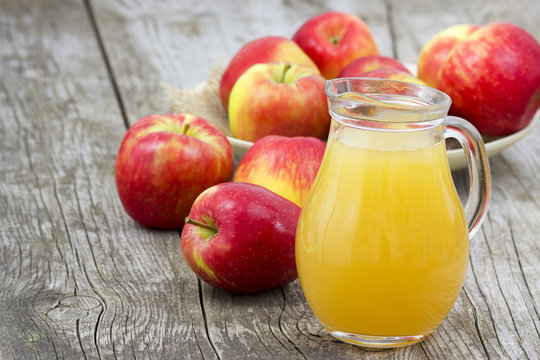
<point>285,165</point>
<point>437,48</point>
<point>278,99</point>
<point>334,39</point>
<point>164,162</point>
<point>362,65</point>
<point>493,78</point>
<point>266,49</point>
<point>394,74</point>
<point>240,237</point>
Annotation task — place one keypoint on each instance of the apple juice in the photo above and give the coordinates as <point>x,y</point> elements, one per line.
<point>382,242</point>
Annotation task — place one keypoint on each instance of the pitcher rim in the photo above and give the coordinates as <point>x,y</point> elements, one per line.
<point>435,102</point>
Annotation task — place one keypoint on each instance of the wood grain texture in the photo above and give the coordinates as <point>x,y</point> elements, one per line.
<point>501,290</point>
<point>179,42</point>
<point>79,279</point>
<point>416,21</point>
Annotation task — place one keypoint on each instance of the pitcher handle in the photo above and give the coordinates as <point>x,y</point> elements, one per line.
<point>479,173</point>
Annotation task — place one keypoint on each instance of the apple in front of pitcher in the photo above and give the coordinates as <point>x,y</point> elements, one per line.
<point>369,63</point>
<point>240,237</point>
<point>393,74</point>
<point>435,51</point>
<point>164,162</point>
<point>286,165</point>
<point>262,50</point>
<point>493,78</point>
<point>334,39</point>
<point>278,99</point>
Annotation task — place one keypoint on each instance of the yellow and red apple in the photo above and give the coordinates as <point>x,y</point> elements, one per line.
<point>164,162</point>
<point>435,51</point>
<point>364,64</point>
<point>278,99</point>
<point>493,78</point>
<point>265,49</point>
<point>334,39</point>
<point>284,165</point>
<point>240,237</point>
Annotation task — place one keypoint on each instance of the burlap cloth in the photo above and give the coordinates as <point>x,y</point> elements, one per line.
<point>203,100</point>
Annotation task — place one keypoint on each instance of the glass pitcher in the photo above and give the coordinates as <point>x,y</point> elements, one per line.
<point>382,243</point>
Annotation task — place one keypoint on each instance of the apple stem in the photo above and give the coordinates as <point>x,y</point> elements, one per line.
<point>286,67</point>
<point>200,224</point>
<point>186,128</point>
<point>334,40</point>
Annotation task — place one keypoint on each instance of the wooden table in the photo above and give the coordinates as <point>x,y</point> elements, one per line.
<point>79,279</point>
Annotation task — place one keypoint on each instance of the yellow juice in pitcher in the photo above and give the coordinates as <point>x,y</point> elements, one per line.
<point>382,242</point>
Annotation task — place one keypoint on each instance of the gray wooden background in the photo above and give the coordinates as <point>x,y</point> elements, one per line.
<point>80,280</point>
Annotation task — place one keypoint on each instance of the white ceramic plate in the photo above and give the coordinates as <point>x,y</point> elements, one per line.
<point>456,157</point>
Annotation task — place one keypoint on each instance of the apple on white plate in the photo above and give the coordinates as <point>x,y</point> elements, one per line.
<point>334,39</point>
<point>278,98</point>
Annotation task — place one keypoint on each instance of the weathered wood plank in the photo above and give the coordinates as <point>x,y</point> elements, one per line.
<point>500,293</point>
<point>466,333</point>
<point>238,326</point>
<point>505,259</point>
<point>416,21</point>
<point>78,278</point>
<point>179,42</point>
